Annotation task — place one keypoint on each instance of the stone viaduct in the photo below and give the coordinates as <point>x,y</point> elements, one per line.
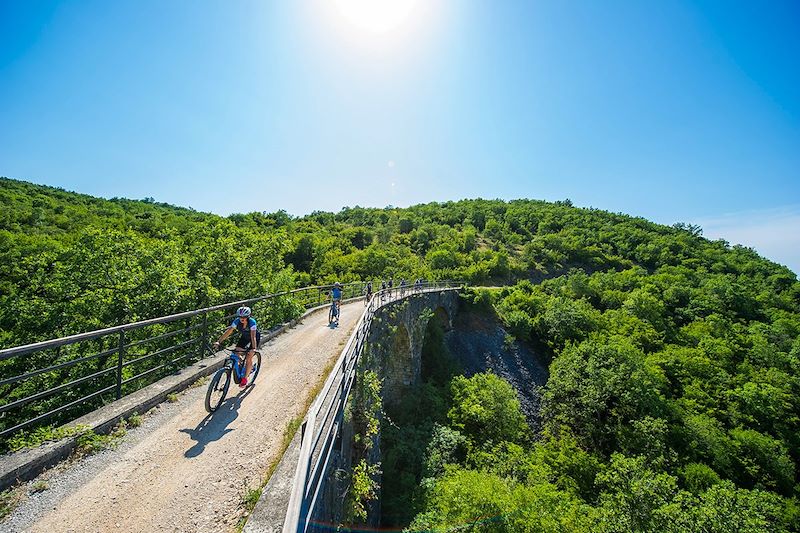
<point>397,335</point>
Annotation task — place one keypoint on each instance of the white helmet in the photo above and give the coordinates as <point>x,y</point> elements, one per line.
<point>243,311</point>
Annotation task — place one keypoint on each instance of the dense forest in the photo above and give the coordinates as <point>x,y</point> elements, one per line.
<point>672,402</point>
<point>653,419</point>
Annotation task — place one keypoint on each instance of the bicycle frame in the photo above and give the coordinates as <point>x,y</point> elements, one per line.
<point>335,309</point>
<point>233,369</point>
<point>236,362</point>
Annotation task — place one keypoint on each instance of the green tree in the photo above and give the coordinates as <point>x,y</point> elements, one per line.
<point>486,408</point>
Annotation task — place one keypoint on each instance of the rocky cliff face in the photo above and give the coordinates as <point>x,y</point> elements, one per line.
<point>479,343</point>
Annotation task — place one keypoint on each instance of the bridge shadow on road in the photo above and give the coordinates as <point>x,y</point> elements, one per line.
<point>215,425</point>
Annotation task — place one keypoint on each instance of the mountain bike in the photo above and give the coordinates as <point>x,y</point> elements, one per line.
<point>333,312</point>
<point>233,370</point>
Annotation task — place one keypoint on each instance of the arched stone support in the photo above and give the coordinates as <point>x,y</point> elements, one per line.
<point>398,334</point>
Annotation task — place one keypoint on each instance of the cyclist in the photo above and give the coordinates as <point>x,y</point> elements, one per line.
<point>368,291</point>
<point>402,287</point>
<point>249,337</point>
<point>336,296</point>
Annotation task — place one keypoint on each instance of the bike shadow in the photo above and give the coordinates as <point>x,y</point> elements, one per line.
<point>333,325</point>
<point>215,425</point>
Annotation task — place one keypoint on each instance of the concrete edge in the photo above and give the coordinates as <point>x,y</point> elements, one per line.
<point>269,513</point>
<point>25,465</point>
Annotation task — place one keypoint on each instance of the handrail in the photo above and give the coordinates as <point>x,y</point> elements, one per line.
<point>38,346</point>
<point>315,450</point>
<point>26,409</point>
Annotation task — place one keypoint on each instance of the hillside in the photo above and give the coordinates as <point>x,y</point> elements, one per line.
<point>75,262</point>
<point>675,360</point>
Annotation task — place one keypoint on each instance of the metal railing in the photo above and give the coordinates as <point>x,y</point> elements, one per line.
<point>94,368</point>
<point>321,427</point>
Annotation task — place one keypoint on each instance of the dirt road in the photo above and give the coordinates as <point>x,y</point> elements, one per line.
<point>188,472</point>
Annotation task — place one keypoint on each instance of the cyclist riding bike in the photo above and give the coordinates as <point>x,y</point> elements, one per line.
<point>249,337</point>
<point>368,291</point>
<point>336,296</point>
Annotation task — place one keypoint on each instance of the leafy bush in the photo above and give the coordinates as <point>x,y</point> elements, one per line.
<point>698,477</point>
<point>486,408</point>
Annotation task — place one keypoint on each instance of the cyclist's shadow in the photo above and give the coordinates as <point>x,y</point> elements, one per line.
<point>215,425</point>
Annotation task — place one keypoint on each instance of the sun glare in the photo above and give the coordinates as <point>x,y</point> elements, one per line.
<point>376,16</point>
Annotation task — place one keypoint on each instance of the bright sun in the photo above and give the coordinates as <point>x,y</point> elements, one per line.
<point>375,16</point>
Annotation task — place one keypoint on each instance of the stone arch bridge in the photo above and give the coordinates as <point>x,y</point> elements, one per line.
<point>397,336</point>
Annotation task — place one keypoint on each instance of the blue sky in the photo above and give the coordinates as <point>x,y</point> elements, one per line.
<point>673,110</point>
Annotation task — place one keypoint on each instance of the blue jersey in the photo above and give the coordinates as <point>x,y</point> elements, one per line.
<point>242,328</point>
<point>336,293</point>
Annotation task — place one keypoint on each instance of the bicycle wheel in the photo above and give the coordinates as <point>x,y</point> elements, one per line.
<point>330,315</point>
<point>256,368</point>
<point>218,389</point>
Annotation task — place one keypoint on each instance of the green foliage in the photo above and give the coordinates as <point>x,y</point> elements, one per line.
<point>366,408</point>
<point>415,440</point>
<point>698,477</point>
<point>476,298</point>
<point>566,320</point>
<point>38,436</point>
<point>9,500</point>
<point>632,495</point>
<point>597,388</point>
<point>74,263</point>
<point>362,490</point>
<point>725,508</point>
<point>89,442</point>
<point>446,446</point>
<point>482,501</point>
<point>39,486</point>
<point>250,498</point>
<point>763,462</point>
<point>135,420</point>
<point>671,406</point>
<point>486,408</point>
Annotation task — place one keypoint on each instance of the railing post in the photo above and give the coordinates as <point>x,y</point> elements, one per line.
<point>203,337</point>
<point>120,358</point>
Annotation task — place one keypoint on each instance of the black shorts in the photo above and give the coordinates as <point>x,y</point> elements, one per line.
<point>244,340</point>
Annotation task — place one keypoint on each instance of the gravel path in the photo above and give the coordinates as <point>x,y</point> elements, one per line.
<point>183,470</point>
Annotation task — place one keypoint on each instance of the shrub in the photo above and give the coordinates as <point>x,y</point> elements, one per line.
<point>486,408</point>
